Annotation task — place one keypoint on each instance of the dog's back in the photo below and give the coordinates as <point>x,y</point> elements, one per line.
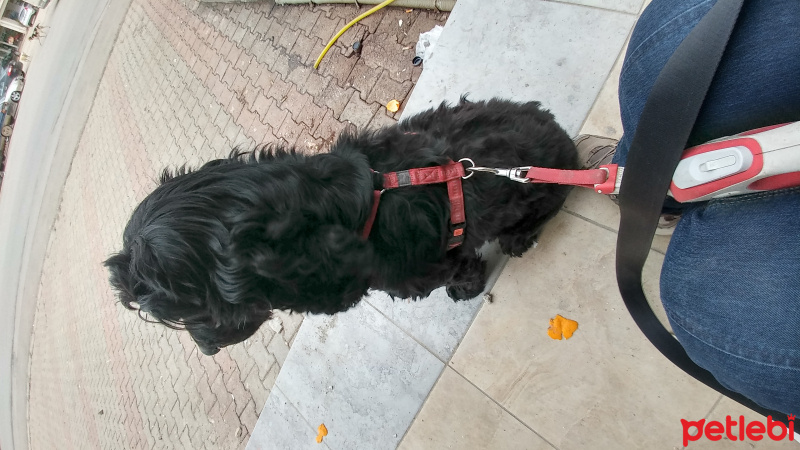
<point>216,249</point>
<point>495,133</point>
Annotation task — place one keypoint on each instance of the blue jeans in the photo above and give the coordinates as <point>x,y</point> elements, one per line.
<point>731,279</point>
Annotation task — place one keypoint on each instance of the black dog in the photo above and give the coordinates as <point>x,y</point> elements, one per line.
<point>217,249</point>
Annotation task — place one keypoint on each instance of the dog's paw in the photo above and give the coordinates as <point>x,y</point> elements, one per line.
<point>516,245</point>
<point>465,291</point>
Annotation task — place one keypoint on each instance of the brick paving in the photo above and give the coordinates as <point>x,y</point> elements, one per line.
<point>185,83</point>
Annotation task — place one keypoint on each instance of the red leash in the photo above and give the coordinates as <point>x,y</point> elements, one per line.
<point>605,180</point>
<point>450,173</point>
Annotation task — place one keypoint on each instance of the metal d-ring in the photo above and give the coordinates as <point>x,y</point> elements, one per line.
<point>471,173</point>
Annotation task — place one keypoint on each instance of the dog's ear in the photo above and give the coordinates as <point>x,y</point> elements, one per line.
<point>144,274</point>
<point>174,275</point>
<point>308,265</point>
<point>118,266</point>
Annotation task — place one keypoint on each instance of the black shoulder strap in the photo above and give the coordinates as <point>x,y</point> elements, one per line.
<point>661,136</point>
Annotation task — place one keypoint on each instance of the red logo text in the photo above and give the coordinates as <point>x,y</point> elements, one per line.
<point>737,430</point>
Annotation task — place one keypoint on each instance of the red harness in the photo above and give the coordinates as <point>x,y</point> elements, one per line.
<point>604,180</point>
<point>450,173</point>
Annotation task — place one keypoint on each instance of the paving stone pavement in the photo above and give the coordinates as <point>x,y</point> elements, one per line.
<point>185,83</point>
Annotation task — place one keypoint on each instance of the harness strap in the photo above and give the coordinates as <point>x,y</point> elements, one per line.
<point>423,175</point>
<point>376,198</point>
<point>450,174</point>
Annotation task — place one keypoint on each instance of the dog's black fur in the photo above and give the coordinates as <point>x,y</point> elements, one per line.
<point>217,249</point>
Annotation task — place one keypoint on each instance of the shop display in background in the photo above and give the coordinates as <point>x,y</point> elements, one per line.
<point>22,12</point>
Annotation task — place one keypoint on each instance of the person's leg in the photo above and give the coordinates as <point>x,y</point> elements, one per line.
<point>731,287</point>
<point>756,83</point>
<point>731,279</point>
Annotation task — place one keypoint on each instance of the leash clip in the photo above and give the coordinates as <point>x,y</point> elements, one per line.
<point>613,182</point>
<point>515,173</point>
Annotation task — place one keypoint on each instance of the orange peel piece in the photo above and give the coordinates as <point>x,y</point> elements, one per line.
<point>323,431</point>
<point>393,106</point>
<point>561,326</point>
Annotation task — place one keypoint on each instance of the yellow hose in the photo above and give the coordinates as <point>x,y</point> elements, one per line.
<point>346,27</point>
